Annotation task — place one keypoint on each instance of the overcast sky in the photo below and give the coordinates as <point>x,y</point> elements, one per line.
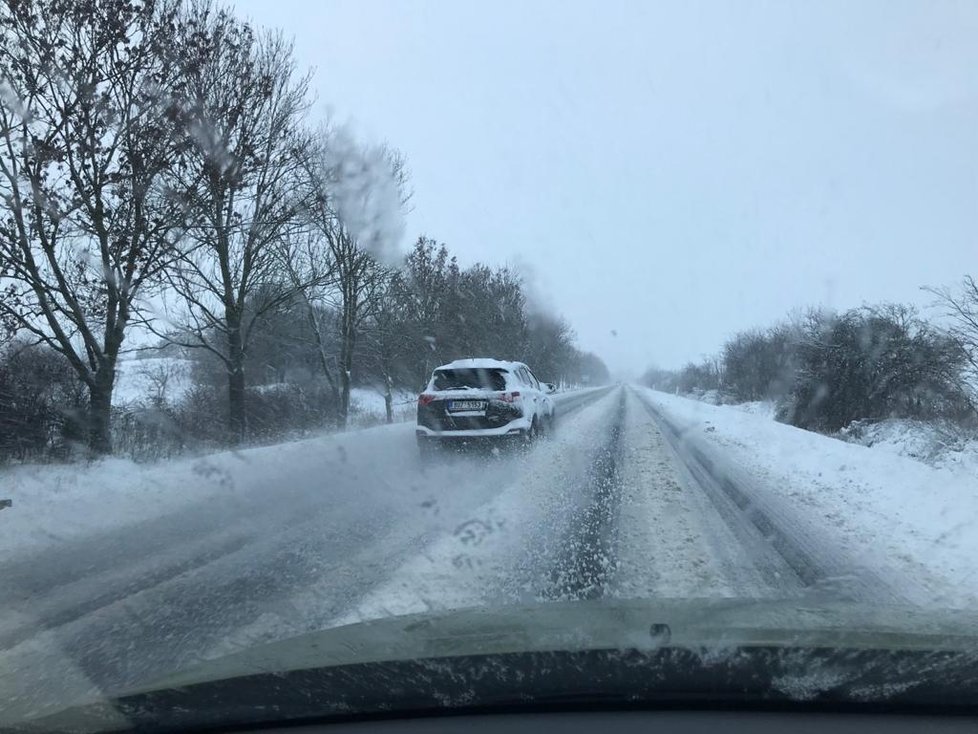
<point>670,172</point>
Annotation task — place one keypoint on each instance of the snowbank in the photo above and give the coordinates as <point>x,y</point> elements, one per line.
<point>58,503</point>
<point>940,446</point>
<point>760,408</point>
<point>943,447</point>
<point>917,523</point>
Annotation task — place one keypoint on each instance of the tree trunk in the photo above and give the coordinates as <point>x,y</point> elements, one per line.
<point>321,353</point>
<point>100,412</point>
<point>348,342</point>
<point>344,408</point>
<point>388,399</point>
<point>236,383</point>
<point>236,406</point>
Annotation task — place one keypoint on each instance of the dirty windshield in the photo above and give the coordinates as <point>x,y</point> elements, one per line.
<point>343,333</point>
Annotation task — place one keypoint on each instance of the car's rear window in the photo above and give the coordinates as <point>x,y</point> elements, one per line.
<point>482,379</point>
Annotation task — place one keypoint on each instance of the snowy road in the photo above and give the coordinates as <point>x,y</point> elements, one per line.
<point>354,526</point>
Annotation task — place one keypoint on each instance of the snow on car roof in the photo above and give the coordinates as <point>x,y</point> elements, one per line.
<point>480,363</point>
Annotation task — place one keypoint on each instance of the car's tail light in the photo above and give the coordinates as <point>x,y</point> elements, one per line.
<point>509,397</point>
<point>425,399</point>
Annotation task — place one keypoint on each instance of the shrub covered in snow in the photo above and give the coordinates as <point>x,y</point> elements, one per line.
<point>873,364</point>
<point>761,364</point>
<point>41,403</point>
<point>827,370</point>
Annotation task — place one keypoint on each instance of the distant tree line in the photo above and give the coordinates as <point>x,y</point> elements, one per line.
<point>426,312</point>
<point>160,174</point>
<point>825,370</point>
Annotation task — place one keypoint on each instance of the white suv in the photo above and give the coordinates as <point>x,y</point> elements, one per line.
<point>483,398</point>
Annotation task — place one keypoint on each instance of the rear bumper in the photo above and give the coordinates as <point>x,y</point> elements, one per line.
<point>498,418</point>
<point>513,427</point>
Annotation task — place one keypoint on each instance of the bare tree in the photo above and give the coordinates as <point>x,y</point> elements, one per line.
<point>432,276</point>
<point>873,363</point>
<point>961,307</point>
<point>355,213</point>
<point>310,268</point>
<point>387,341</point>
<point>549,346</point>
<point>356,273</point>
<point>87,224</point>
<point>159,377</point>
<point>245,106</point>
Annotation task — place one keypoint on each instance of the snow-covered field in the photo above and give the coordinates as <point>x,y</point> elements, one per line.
<point>140,380</point>
<point>917,525</point>
<point>367,405</point>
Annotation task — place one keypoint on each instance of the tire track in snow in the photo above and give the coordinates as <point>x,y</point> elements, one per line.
<point>505,550</point>
<point>786,558</point>
<point>309,556</point>
<point>587,555</point>
<point>789,570</point>
<point>37,621</point>
<point>672,543</point>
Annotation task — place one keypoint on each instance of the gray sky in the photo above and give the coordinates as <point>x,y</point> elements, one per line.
<point>671,172</point>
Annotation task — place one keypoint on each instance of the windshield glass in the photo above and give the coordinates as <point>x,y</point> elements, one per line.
<point>476,379</point>
<point>372,332</point>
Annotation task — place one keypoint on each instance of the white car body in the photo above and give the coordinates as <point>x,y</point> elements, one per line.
<point>514,404</point>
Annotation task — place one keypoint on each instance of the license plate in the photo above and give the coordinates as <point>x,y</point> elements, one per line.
<point>458,406</point>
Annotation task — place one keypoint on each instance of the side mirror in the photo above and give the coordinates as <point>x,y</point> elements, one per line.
<point>550,388</point>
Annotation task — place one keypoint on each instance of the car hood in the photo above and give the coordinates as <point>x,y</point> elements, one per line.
<point>668,652</point>
<point>603,625</point>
